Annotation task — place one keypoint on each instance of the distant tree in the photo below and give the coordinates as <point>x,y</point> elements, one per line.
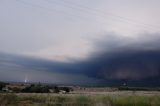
<point>66,89</point>
<point>45,89</point>
<point>32,85</point>
<point>36,89</point>
<point>15,89</point>
<point>39,88</point>
<point>56,89</point>
<point>2,85</point>
<point>26,90</point>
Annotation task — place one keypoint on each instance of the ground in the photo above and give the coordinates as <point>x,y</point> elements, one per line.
<point>116,98</point>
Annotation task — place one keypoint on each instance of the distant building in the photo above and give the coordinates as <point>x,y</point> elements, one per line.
<point>62,92</point>
<point>51,90</point>
<point>5,89</point>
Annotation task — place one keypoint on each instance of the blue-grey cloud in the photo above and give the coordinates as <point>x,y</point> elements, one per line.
<point>114,60</point>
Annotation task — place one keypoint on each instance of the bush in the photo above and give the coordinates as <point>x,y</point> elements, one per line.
<point>2,84</point>
<point>56,90</point>
<point>36,89</point>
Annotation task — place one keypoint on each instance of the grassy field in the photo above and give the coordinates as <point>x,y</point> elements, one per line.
<point>108,99</point>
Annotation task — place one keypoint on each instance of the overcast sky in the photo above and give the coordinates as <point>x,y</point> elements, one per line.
<point>78,32</point>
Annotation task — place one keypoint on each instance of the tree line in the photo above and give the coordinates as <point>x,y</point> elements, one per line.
<point>34,88</point>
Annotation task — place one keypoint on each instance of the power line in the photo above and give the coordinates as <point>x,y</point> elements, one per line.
<point>66,13</point>
<point>80,9</point>
<point>49,9</point>
<point>52,9</point>
<point>124,19</point>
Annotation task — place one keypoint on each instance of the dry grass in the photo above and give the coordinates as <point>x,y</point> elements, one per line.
<point>107,99</point>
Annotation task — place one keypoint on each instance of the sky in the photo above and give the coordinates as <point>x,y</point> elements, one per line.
<point>91,42</point>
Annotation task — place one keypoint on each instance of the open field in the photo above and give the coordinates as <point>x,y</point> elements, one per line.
<point>121,98</point>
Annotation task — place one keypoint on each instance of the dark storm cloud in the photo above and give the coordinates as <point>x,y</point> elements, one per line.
<point>111,42</point>
<point>126,65</point>
<point>120,58</point>
<point>114,59</point>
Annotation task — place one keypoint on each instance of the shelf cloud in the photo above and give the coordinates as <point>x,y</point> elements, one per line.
<point>113,59</point>
<point>106,42</point>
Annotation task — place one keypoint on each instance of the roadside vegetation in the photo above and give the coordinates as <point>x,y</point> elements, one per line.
<point>50,95</point>
<point>77,100</point>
